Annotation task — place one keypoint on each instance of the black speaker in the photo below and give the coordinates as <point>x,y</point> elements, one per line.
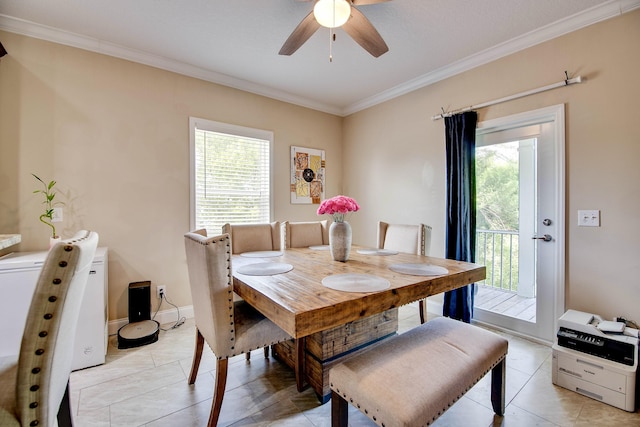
<point>139,301</point>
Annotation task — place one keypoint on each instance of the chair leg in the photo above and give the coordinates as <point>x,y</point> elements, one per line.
<point>498,376</point>
<point>247,355</point>
<point>218,393</point>
<point>197,355</point>
<point>339,411</point>
<point>64,412</point>
<point>422,309</point>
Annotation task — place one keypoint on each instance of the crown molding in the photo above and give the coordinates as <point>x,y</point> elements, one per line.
<point>591,16</point>
<point>43,32</point>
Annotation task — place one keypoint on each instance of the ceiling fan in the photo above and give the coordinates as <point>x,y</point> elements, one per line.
<point>338,13</point>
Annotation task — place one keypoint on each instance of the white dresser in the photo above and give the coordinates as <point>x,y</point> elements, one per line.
<point>18,276</point>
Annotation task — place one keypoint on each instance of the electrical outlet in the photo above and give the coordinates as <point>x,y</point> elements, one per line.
<point>57,215</point>
<point>160,291</point>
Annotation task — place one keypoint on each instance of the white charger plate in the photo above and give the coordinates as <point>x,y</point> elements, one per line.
<point>419,269</point>
<point>265,268</point>
<point>261,254</point>
<point>356,282</point>
<point>375,251</point>
<point>319,247</point>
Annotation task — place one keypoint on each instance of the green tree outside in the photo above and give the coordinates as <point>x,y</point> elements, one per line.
<point>497,198</point>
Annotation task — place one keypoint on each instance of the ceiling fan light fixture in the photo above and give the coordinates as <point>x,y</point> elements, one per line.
<point>332,13</point>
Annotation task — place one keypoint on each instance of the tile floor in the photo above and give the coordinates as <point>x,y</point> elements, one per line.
<point>147,386</point>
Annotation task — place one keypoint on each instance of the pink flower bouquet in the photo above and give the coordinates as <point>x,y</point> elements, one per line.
<point>338,207</point>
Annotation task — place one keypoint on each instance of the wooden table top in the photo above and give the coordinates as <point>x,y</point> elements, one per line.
<point>299,303</point>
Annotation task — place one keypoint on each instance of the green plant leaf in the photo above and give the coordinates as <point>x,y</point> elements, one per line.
<point>49,195</point>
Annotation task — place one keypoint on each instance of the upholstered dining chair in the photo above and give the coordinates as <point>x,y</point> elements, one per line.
<point>305,234</point>
<point>414,239</point>
<point>34,385</point>
<point>251,238</point>
<point>254,237</point>
<point>229,327</point>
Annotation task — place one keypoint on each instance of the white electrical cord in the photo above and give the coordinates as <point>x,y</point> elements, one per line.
<point>180,320</point>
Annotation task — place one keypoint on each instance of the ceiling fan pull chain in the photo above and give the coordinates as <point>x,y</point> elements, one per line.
<point>331,39</point>
<point>331,34</point>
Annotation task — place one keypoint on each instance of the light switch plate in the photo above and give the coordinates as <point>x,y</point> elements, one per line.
<point>588,218</point>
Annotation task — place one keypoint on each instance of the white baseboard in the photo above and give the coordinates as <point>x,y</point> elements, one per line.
<point>165,316</point>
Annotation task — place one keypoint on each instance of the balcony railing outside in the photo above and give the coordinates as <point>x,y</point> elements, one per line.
<point>498,251</point>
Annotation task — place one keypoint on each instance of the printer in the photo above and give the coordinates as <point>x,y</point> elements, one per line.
<point>596,358</point>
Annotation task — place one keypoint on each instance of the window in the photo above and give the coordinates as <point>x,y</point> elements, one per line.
<point>230,175</point>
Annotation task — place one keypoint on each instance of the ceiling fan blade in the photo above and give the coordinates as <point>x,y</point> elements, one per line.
<point>365,2</point>
<point>365,34</point>
<point>301,34</point>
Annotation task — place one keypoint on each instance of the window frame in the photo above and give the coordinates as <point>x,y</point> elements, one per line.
<point>220,127</point>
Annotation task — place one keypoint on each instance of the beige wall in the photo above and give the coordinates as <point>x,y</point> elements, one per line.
<point>115,136</point>
<point>394,154</point>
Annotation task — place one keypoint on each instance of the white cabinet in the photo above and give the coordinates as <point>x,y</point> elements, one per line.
<point>19,273</point>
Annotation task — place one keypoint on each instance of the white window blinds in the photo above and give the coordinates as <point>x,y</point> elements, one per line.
<point>230,175</point>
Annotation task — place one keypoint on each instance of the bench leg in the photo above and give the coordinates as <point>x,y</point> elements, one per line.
<point>498,375</point>
<point>339,411</point>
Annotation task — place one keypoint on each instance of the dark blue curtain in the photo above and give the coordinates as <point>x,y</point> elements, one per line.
<point>461,206</point>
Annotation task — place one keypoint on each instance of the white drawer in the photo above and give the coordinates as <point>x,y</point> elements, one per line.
<point>595,391</point>
<point>590,370</point>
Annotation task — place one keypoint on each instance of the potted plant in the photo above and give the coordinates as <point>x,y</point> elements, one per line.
<point>47,217</point>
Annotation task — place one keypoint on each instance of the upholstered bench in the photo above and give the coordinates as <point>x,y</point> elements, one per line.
<point>413,378</point>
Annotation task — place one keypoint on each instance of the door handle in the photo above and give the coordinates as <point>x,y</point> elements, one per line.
<point>546,238</point>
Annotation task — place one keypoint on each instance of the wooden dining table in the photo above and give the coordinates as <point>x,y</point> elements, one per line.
<point>302,305</point>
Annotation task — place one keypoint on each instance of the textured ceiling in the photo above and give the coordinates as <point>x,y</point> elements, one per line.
<point>236,42</point>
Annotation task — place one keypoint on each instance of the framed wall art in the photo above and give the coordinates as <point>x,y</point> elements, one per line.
<point>307,175</point>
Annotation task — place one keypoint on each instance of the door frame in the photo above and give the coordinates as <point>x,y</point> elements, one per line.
<point>554,114</point>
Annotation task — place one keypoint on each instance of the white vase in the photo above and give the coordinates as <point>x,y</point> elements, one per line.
<point>53,241</point>
<point>340,240</point>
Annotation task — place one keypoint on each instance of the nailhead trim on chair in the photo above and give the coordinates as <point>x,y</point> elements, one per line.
<point>230,290</point>
<point>283,230</point>
<point>56,292</point>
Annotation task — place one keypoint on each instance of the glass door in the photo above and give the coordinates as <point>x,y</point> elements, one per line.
<point>520,238</point>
